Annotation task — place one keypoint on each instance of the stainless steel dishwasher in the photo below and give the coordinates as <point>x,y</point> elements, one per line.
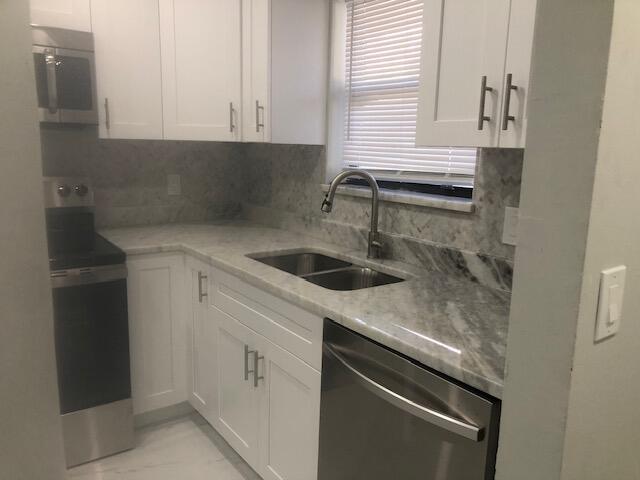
<point>384,417</point>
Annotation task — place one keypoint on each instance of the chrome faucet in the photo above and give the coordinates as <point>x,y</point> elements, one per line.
<point>374,249</point>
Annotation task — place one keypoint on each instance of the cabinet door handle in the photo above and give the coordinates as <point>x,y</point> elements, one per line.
<point>247,352</point>
<point>107,114</point>
<point>232,127</point>
<point>483,100</point>
<point>256,377</point>
<point>52,80</point>
<point>510,87</point>
<point>201,294</point>
<point>258,124</point>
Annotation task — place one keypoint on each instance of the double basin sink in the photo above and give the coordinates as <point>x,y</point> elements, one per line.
<point>326,271</point>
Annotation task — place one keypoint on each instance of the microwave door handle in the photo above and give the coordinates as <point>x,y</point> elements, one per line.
<point>52,84</point>
<point>441,420</point>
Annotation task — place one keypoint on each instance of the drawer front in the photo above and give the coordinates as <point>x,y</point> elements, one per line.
<point>286,325</point>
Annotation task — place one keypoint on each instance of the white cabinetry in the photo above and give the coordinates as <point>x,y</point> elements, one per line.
<point>289,416</point>
<point>202,342</point>
<point>69,14</point>
<point>128,69</point>
<point>469,49</point>
<point>201,69</point>
<point>269,398</point>
<point>238,404</point>
<point>285,65</point>
<point>157,330</point>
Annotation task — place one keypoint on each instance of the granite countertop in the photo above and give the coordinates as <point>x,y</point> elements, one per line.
<point>450,324</point>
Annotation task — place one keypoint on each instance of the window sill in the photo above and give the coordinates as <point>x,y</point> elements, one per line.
<point>461,205</point>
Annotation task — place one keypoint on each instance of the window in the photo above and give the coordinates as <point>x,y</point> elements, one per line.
<point>381,76</point>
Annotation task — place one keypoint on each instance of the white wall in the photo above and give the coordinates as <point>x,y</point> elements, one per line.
<point>603,427</point>
<point>30,438</point>
<point>567,86</point>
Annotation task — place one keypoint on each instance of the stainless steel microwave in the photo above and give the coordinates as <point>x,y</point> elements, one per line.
<point>65,75</point>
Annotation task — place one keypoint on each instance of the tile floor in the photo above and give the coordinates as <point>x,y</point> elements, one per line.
<point>186,448</point>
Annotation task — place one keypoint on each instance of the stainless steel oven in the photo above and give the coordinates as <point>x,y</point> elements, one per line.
<point>382,416</point>
<point>89,288</point>
<point>65,75</point>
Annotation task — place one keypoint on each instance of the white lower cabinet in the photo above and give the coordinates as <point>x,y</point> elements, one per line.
<point>237,419</point>
<point>246,360</point>
<point>289,416</point>
<point>269,403</point>
<point>156,331</point>
<point>202,340</point>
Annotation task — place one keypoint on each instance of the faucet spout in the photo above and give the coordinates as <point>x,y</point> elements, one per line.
<point>374,249</point>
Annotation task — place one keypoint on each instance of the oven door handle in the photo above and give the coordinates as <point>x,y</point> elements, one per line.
<point>51,62</point>
<point>88,276</point>
<point>441,420</point>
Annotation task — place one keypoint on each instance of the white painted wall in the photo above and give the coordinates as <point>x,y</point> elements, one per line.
<point>602,439</point>
<point>567,86</point>
<point>30,438</point>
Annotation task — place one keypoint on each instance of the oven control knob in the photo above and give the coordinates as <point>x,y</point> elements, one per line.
<point>64,190</point>
<point>81,190</point>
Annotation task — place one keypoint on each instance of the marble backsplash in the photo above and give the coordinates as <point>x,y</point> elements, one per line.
<point>130,176</point>
<point>280,185</point>
<point>284,189</point>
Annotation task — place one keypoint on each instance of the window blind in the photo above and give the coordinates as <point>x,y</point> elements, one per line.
<point>382,78</point>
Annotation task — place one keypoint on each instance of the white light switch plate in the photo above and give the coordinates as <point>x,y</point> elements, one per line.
<point>610,302</point>
<point>510,227</point>
<point>174,186</point>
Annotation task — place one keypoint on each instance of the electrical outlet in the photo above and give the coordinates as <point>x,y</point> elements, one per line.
<point>510,227</point>
<point>174,186</point>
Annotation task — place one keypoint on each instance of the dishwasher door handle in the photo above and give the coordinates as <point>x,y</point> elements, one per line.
<point>441,420</point>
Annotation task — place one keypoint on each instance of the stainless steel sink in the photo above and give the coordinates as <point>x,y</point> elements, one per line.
<point>303,263</point>
<point>352,278</point>
<point>326,271</point>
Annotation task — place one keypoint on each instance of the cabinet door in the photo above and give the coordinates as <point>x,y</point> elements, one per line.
<point>128,70</point>
<point>237,419</point>
<point>299,71</point>
<point>201,69</point>
<point>156,330</point>
<point>256,63</point>
<point>463,41</point>
<point>201,342</point>
<point>70,14</point>
<point>290,416</point>
<point>518,65</point>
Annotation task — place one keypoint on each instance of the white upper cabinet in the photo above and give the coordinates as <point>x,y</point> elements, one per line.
<point>256,70</point>
<point>128,69</point>
<point>70,14</point>
<point>285,70</point>
<point>469,47</point>
<point>201,69</point>
<point>517,70</point>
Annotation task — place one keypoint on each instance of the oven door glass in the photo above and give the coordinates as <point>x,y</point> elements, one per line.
<point>92,344</point>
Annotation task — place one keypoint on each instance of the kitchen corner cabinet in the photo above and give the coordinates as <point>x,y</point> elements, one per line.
<point>69,14</point>
<point>202,341</point>
<point>201,69</point>
<point>476,57</point>
<point>128,68</point>
<point>285,46</point>
<point>157,330</point>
